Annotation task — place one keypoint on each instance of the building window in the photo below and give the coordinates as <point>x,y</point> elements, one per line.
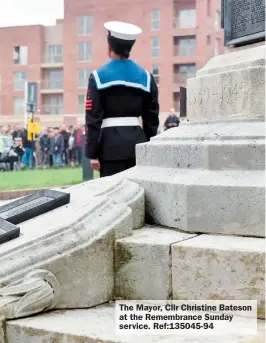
<point>19,79</point>
<point>155,73</point>
<point>19,105</point>
<point>54,79</point>
<point>218,20</point>
<point>83,77</point>
<point>20,55</point>
<point>217,47</point>
<point>53,104</point>
<point>155,20</point>
<point>81,104</point>
<point>187,46</point>
<point>187,71</point>
<point>55,54</point>
<point>84,51</point>
<point>187,19</point>
<point>155,47</point>
<point>85,25</point>
<point>182,72</point>
<point>208,40</point>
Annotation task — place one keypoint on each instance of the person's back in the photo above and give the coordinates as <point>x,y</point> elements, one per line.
<point>119,93</point>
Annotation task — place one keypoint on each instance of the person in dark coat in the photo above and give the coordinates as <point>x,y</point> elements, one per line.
<point>66,136</point>
<point>57,147</point>
<point>171,121</point>
<point>45,148</point>
<point>119,93</point>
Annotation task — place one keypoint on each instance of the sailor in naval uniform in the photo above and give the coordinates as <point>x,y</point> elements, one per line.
<point>118,94</point>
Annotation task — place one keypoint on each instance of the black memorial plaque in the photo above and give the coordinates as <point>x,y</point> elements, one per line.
<point>8,231</point>
<point>33,205</point>
<point>243,21</point>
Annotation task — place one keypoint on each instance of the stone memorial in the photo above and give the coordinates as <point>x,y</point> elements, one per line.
<point>8,231</point>
<point>243,21</point>
<point>187,223</point>
<point>33,205</point>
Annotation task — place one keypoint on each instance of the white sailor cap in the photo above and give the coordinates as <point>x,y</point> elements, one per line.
<point>124,31</point>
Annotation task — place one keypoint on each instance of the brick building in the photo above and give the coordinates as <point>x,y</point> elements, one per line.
<point>179,37</point>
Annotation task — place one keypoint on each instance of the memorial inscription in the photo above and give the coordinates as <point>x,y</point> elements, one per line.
<point>33,205</point>
<point>243,21</point>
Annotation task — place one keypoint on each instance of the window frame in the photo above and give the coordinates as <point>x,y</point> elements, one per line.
<point>84,44</point>
<point>81,107</point>
<point>155,20</point>
<point>187,48</point>
<point>85,25</point>
<point>19,54</point>
<point>17,81</point>
<point>21,107</point>
<point>156,76</point>
<point>85,78</point>
<point>155,48</point>
<point>187,11</point>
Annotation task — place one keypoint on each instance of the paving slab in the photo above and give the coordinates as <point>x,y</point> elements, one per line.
<point>210,267</point>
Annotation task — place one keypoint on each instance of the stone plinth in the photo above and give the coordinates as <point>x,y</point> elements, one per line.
<point>229,85</point>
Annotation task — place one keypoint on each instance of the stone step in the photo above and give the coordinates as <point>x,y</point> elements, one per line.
<point>219,267</point>
<point>158,263</point>
<point>98,325</point>
<point>143,263</point>
<point>217,146</point>
<point>212,155</point>
<point>203,201</point>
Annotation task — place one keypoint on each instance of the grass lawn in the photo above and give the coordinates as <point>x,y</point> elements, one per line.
<point>40,178</point>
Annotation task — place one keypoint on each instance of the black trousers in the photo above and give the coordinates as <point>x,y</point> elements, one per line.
<point>109,168</point>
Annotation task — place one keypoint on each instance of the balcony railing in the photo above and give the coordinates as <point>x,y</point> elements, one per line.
<point>52,109</point>
<point>52,84</point>
<point>53,59</point>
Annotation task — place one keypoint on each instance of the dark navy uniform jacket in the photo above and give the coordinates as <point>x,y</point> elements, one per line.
<point>121,88</point>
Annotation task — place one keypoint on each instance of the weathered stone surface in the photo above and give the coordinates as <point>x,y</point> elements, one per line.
<point>122,191</point>
<point>228,86</point>
<point>143,263</point>
<point>78,249</point>
<point>39,291</point>
<point>238,145</point>
<point>219,267</point>
<point>97,325</point>
<point>207,201</point>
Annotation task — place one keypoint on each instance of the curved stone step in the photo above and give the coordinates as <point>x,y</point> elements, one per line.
<point>98,325</point>
<point>203,201</point>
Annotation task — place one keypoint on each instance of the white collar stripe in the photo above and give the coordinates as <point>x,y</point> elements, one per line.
<point>122,83</point>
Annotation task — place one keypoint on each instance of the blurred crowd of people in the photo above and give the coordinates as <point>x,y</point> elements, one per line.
<point>54,147</point>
